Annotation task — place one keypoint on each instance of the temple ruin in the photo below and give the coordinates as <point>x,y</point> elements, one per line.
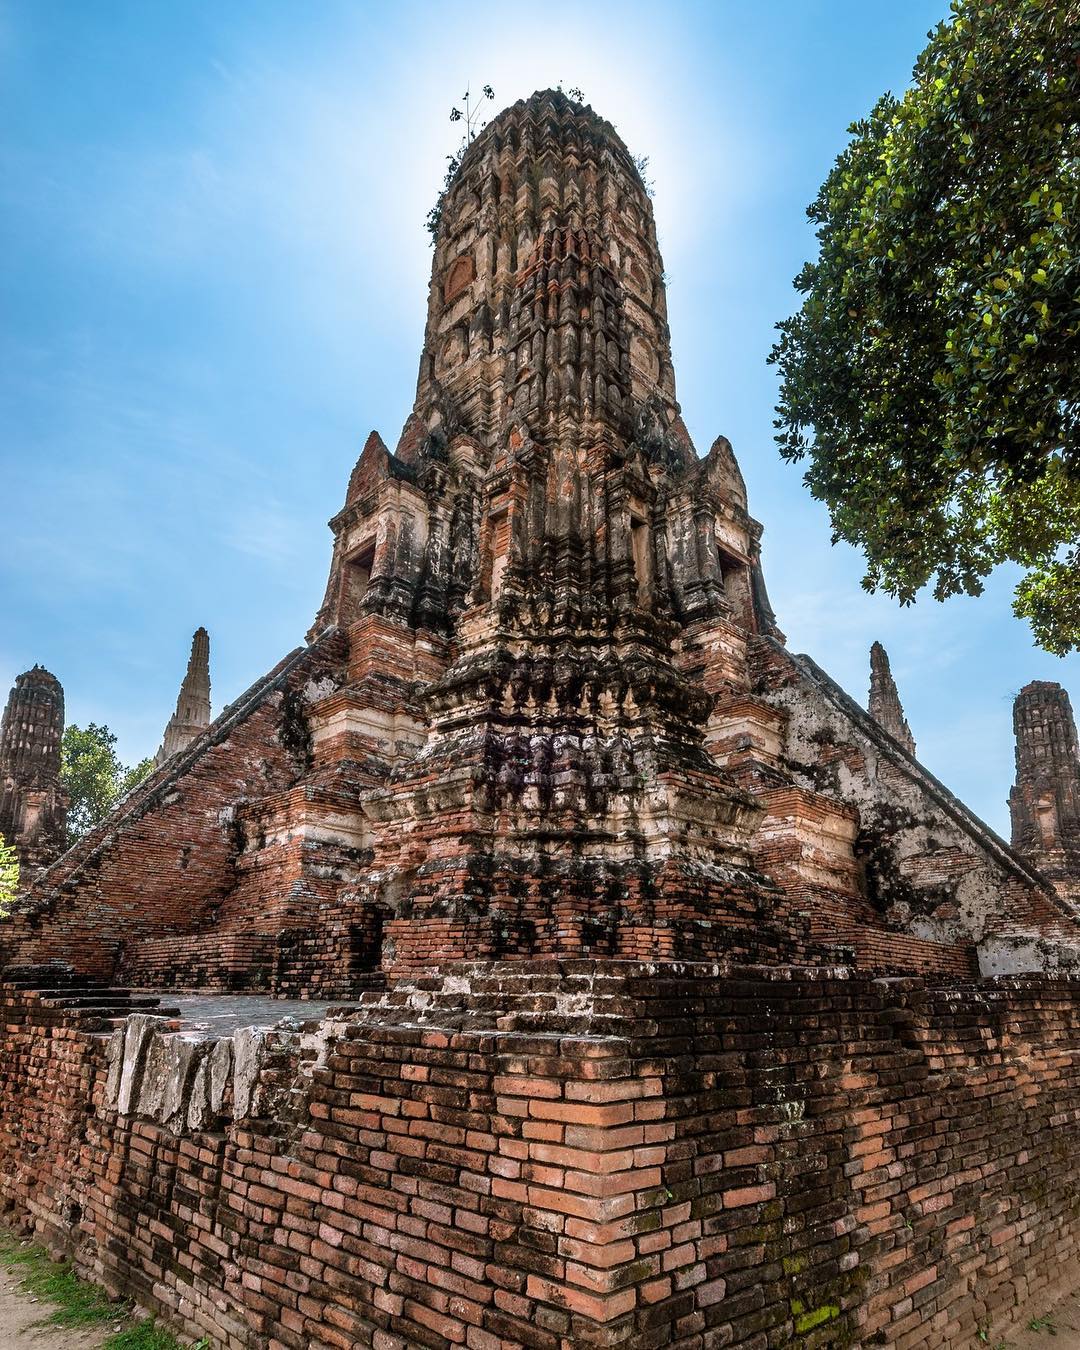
<point>676,1003</point>
<point>884,705</point>
<point>33,803</point>
<point>192,715</point>
<point>1045,800</point>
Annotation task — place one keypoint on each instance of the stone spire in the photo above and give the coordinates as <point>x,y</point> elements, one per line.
<point>1045,800</point>
<point>33,803</point>
<point>527,580</point>
<point>546,389</point>
<point>885,706</point>
<point>192,715</point>
<point>547,302</point>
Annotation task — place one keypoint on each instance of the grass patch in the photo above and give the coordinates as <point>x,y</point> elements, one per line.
<point>77,1302</point>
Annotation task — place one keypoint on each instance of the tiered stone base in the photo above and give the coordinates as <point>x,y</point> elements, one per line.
<point>560,1155</point>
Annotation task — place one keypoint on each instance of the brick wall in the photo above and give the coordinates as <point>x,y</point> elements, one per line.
<point>166,858</point>
<point>575,1155</point>
<point>929,868</point>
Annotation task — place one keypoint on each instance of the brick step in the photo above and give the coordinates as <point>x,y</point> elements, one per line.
<point>375,979</point>
<point>76,998</point>
<point>108,1008</point>
<point>43,979</point>
<point>112,1019</point>
<point>73,998</point>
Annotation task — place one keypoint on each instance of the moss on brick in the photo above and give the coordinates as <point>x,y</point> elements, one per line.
<point>808,1318</point>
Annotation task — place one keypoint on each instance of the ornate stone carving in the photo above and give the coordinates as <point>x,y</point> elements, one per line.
<point>545,709</point>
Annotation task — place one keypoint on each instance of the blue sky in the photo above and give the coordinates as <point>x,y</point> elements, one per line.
<point>213,280</point>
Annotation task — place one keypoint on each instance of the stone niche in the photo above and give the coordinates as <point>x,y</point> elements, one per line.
<point>459,277</point>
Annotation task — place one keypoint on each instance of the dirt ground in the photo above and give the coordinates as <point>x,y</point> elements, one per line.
<point>19,1312</point>
<point>1064,1318</point>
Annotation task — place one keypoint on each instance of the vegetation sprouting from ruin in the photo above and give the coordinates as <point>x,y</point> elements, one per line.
<point>466,110</point>
<point>68,1301</point>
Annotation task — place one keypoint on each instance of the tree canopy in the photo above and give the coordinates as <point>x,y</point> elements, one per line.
<point>94,776</point>
<point>931,378</point>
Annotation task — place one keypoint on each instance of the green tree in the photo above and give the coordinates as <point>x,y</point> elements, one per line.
<point>133,776</point>
<point>94,776</point>
<point>9,875</point>
<point>931,377</point>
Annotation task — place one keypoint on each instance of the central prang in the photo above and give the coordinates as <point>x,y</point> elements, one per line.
<point>547,546</point>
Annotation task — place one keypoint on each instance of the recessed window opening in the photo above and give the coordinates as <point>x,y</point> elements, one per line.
<point>499,524</point>
<point>734,578</point>
<point>1046,815</point>
<point>365,944</point>
<point>357,577</point>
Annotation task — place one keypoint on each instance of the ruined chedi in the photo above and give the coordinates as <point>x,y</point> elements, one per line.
<point>33,803</point>
<point>544,533</point>
<point>192,715</point>
<point>884,705</point>
<point>1045,800</point>
<point>544,708</point>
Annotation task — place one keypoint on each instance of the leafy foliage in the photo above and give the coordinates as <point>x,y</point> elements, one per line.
<point>9,875</point>
<point>133,776</point>
<point>93,775</point>
<point>434,216</point>
<point>641,163</point>
<point>932,375</point>
<point>149,1336</point>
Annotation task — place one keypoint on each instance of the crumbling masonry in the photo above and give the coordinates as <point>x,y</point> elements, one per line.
<point>33,802</point>
<point>684,1006</point>
<point>192,715</point>
<point>884,705</point>
<point>1045,800</point>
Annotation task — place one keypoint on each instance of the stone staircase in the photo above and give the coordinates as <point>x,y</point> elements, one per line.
<point>96,1007</point>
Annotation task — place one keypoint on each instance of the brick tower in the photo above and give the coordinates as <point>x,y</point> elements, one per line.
<point>33,804</point>
<point>535,551</point>
<point>884,705</point>
<point>1045,800</point>
<point>192,715</point>
<point>545,714</point>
